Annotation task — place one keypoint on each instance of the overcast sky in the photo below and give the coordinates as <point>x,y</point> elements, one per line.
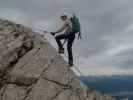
<point>107,27</point>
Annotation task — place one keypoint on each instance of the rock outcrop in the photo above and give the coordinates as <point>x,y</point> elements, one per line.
<point>31,69</point>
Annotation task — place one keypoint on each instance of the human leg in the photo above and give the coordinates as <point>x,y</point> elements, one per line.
<point>58,39</point>
<point>69,48</point>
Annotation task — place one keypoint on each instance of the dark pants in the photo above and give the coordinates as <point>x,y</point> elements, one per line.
<point>70,38</point>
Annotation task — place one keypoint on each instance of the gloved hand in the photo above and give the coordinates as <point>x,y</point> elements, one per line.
<point>52,33</point>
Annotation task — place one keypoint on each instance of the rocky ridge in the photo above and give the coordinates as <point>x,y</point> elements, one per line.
<point>31,69</point>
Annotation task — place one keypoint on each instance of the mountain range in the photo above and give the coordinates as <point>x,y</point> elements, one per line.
<point>119,86</point>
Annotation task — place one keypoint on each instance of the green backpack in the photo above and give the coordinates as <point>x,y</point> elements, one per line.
<point>75,24</point>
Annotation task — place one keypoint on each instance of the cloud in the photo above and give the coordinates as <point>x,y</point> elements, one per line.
<point>107,47</point>
<point>14,15</point>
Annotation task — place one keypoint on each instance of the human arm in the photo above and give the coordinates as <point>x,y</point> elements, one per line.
<point>61,29</point>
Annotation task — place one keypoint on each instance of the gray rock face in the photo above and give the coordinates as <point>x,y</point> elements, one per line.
<point>31,69</point>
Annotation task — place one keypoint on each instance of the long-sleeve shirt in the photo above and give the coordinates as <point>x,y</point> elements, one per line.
<point>67,27</point>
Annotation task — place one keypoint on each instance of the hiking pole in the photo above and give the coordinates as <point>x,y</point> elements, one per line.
<point>44,31</point>
<point>37,29</point>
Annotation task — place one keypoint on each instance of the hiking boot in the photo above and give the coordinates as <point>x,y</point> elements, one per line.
<point>61,51</point>
<point>70,65</point>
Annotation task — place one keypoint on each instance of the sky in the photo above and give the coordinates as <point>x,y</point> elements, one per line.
<point>107,29</point>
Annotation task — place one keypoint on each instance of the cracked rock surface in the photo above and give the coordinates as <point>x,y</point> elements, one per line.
<point>31,69</point>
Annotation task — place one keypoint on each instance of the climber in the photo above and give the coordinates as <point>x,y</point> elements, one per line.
<point>69,34</point>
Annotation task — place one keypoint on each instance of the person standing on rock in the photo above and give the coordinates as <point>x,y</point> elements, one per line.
<point>70,28</point>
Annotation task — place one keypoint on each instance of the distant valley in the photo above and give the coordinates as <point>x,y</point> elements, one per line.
<point>119,86</point>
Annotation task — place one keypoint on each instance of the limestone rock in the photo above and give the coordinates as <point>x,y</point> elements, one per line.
<point>31,69</point>
<point>13,92</point>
